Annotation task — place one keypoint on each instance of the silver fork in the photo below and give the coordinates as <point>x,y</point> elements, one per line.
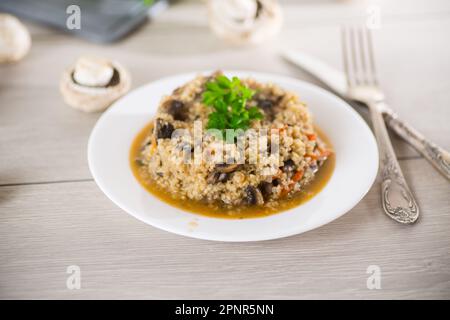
<point>396,197</point>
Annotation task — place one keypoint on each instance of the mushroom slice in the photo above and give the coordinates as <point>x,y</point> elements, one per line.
<point>216,177</point>
<point>266,189</point>
<point>252,196</point>
<point>163,129</point>
<point>222,172</point>
<point>289,166</point>
<point>15,41</point>
<point>227,168</point>
<point>93,84</point>
<point>177,109</point>
<point>242,21</point>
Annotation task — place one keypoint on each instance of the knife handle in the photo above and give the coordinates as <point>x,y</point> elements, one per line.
<point>438,157</point>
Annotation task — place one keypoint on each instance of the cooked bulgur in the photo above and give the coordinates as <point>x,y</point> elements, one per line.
<point>293,155</point>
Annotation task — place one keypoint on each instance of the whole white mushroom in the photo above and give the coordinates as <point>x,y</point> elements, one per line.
<point>15,40</point>
<point>92,84</point>
<point>245,21</point>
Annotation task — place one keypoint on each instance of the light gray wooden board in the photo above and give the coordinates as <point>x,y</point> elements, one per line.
<point>52,215</point>
<point>45,228</point>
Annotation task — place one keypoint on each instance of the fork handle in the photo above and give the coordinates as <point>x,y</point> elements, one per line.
<point>396,197</point>
<point>438,157</point>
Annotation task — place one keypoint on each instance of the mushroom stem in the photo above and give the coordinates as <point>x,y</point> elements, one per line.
<point>245,21</point>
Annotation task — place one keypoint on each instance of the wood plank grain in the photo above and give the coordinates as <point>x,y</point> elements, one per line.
<point>45,228</point>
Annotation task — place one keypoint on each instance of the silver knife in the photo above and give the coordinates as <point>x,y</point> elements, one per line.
<point>336,81</point>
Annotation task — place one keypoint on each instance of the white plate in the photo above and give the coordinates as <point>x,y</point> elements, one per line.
<point>355,170</point>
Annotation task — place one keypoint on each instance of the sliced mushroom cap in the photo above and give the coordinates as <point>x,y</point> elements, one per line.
<point>227,168</point>
<point>266,104</point>
<point>222,172</point>
<point>216,177</point>
<point>93,84</point>
<point>269,108</point>
<point>289,166</point>
<point>163,129</point>
<point>252,196</point>
<point>266,189</point>
<point>15,40</point>
<point>241,21</point>
<point>177,109</point>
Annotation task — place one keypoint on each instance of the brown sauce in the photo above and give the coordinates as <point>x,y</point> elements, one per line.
<point>211,210</point>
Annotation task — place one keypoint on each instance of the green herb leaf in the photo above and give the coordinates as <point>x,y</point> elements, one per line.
<point>228,97</point>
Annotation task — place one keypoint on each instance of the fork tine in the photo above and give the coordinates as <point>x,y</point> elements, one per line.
<point>345,54</point>
<point>371,56</point>
<point>365,76</point>
<point>357,43</point>
<point>353,46</point>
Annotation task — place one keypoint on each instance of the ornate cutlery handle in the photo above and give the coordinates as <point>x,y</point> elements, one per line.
<point>397,200</point>
<point>435,154</point>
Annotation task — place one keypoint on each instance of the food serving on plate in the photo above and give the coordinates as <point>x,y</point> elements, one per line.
<point>258,152</point>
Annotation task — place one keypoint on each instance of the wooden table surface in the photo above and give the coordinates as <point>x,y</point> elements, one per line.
<point>52,214</point>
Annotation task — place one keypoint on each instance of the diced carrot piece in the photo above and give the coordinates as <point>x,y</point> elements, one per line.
<point>311,136</point>
<point>297,176</point>
<point>325,153</point>
<point>285,192</point>
<point>153,147</point>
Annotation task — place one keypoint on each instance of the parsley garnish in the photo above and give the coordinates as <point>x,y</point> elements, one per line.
<point>229,99</point>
